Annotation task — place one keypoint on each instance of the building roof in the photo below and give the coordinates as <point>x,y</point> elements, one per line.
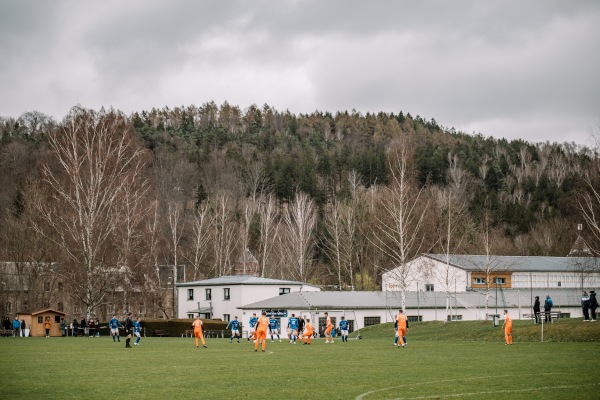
<point>519,263</point>
<point>40,311</point>
<point>509,298</point>
<point>241,280</point>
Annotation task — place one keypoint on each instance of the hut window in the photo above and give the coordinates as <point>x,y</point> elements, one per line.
<point>57,319</point>
<point>40,319</point>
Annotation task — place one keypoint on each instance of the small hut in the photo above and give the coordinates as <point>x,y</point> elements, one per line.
<point>35,321</point>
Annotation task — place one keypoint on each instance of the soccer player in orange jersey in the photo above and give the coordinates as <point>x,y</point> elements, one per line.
<point>507,325</point>
<point>197,325</point>
<point>261,331</point>
<point>402,327</point>
<point>328,328</point>
<point>309,330</point>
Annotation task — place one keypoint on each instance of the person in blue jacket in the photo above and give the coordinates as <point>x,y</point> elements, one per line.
<point>16,327</point>
<point>274,327</point>
<point>114,326</point>
<point>252,322</point>
<point>235,329</point>
<point>137,330</point>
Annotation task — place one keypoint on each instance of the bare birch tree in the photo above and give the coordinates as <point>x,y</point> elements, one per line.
<point>300,220</point>
<point>224,236</point>
<point>202,224</point>
<point>269,224</point>
<point>399,225</point>
<point>96,159</point>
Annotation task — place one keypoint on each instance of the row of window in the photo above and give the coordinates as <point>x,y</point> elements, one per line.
<point>497,281</point>
<point>226,293</point>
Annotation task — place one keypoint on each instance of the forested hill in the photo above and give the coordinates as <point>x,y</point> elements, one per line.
<point>527,193</point>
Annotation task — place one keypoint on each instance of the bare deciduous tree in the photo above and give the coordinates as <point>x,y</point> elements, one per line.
<point>399,226</point>
<point>97,159</point>
<point>300,220</point>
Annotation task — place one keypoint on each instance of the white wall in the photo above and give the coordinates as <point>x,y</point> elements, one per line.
<point>424,271</point>
<point>239,296</point>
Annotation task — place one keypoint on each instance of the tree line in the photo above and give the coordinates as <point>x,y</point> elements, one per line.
<point>331,199</point>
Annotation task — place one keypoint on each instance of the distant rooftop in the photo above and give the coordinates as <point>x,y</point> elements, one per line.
<point>392,300</point>
<point>241,280</point>
<point>518,263</point>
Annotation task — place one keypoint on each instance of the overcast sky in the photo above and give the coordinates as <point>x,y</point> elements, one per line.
<point>513,69</point>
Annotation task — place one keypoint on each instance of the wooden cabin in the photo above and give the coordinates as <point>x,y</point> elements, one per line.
<point>35,321</point>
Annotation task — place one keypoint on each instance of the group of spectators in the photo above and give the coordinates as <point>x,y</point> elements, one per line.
<point>17,327</point>
<point>85,327</point>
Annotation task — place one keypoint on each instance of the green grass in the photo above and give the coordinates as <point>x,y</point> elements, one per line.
<point>444,366</point>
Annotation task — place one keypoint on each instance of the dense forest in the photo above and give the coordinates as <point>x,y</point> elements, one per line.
<point>326,198</point>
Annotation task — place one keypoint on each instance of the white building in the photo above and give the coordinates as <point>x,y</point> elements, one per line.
<point>433,273</point>
<point>219,298</point>
<point>371,308</point>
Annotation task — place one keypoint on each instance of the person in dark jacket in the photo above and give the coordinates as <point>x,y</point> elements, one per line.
<point>82,326</point>
<point>593,305</point>
<point>536,309</point>
<point>23,328</point>
<point>548,307</point>
<point>75,331</point>
<point>585,305</point>
<point>128,325</point>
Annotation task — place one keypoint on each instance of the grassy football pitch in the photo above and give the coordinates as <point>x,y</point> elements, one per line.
<point>371,368</point>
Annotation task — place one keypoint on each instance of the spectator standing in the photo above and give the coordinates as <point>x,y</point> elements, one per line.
<point>97,322</point>
<point>6,324</point>
<point>16,325</point>
<point>536,309</point>
<point>92,327</point>
<point>75,330</point>
<point>23,328</point>
<point>63,327</point>
<point>47,325</point>
<point>593,305</point>
<point>585,305</point>
<point>83,326</point>
<point>548,307</point>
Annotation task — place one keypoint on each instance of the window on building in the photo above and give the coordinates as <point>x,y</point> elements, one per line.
<point>226,294</point>
<point>9,307</point>
<point>111,309</point>
<point>559,284</point>
<point>57,319</point>
<point>142,308</point>
<point>40,319</point>
<point>46,304</point>
<point>372,321</point>
<point>499,281</point>
<point>60,307</point>
<point>429,287</point>
<point>414,318</point>
<point>190,316</point>
<point>26,304</point>
<point>454,317</point>
<point>60,286</point>
<point>226,317</point>
<point>207,294</point>
<point>77,309</point>
<point>284,290</point>
<point>190,294</point>
<point>479,281</point>
<point>46,286</point>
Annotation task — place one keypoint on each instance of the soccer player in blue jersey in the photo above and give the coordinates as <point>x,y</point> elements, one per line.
<point>137,330</point>
<point>252,322</point>
<point>235,332</point>
<point>344,329</point>
<point>293,328</point>
<point>274,327</point>
<point>114,326</point>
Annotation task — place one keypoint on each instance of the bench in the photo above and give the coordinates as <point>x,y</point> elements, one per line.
<point>188,333</point>
<point>6,332</point>
<point>160,333</point>
<point>554,315</point>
